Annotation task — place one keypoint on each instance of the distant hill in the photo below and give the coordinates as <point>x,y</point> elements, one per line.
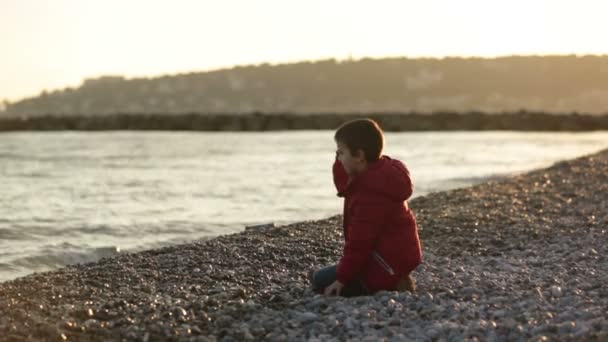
<point>552,84</point>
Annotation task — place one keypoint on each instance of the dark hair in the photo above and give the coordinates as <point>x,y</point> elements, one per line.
<point>362,134</point>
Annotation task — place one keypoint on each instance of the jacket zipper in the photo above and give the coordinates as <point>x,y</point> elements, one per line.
<point>383,263</point>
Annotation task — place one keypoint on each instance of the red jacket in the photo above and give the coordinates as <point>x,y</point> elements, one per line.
<point>380,232</point>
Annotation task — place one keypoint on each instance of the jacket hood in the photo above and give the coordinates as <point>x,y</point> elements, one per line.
<point>388,177</point>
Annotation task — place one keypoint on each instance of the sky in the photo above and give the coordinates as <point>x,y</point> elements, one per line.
<point>53,44</point>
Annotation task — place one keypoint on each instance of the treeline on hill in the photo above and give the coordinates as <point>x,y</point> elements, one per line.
<point>550,84</point>
<point>523,121</point>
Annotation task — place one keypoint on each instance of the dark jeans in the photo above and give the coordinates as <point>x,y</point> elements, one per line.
<point>324,277</point>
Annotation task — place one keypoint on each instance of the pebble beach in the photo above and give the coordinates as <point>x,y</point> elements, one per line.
<point>514,259</point>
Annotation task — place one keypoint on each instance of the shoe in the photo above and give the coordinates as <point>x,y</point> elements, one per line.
<point>407,283</point>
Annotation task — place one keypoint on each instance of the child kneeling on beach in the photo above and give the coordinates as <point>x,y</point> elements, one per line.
<point>381,237</point>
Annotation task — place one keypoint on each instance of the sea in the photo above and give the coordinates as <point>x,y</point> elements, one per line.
<point>75,197</point>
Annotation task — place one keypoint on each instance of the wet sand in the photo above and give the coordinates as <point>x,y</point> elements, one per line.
<point>513,259</point>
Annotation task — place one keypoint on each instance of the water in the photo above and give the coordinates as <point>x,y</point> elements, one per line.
<point>69,197</point>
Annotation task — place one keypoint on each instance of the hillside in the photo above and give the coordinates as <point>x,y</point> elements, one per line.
<point>552,84</point>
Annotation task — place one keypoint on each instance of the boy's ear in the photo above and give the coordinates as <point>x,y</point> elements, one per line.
<point>360,154</point>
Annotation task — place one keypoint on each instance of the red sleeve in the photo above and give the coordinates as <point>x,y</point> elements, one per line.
<point>363,230</point>
<point>340,177</point>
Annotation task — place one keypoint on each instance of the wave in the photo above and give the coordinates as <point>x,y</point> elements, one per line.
<point>64,254</point>
<point>14,234</point>
<point>479,179</point>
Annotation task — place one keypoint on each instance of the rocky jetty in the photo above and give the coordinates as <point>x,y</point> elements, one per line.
<point>523,258</point>
<point>256,121</point>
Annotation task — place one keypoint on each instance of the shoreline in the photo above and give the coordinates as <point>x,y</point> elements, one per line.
<point>516,258</point>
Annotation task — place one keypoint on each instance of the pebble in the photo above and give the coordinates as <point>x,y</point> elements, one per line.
<point>307,317</point>
<point>556,291</point>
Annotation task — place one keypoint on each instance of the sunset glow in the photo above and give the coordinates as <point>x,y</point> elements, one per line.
<point>53,44</point>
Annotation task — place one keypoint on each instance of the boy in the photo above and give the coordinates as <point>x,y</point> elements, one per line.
<point>381,237</point>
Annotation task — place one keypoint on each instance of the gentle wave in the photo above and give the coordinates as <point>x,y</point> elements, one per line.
<point>65,254</point>
<point>52,257</point>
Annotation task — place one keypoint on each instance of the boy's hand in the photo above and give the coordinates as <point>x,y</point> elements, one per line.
<point>336,287</point>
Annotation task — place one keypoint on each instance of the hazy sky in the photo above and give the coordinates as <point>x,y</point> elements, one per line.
<point>50,44</point>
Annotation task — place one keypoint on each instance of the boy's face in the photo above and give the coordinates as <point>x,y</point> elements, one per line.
<point>353,164</point>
